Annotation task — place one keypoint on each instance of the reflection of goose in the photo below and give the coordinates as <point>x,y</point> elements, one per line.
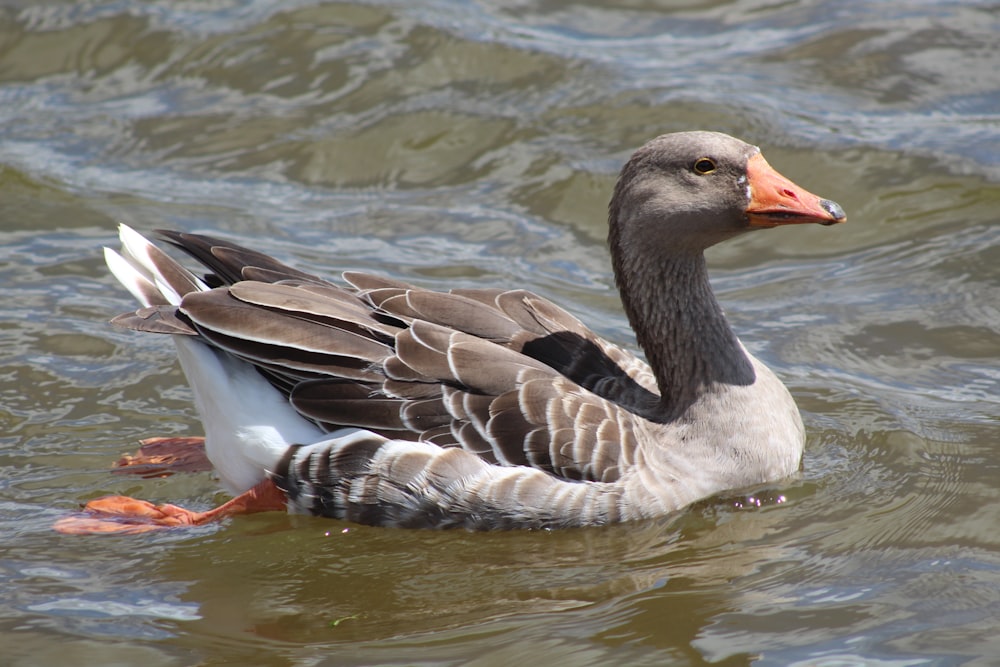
<point>482,408</point>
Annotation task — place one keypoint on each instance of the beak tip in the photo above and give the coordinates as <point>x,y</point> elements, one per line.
<point>834,209</point>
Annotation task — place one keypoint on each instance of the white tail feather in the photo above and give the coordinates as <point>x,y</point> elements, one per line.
<point>248,423</point>
<point>139,284</point>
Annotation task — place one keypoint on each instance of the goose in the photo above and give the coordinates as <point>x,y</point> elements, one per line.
<point>383,403</point>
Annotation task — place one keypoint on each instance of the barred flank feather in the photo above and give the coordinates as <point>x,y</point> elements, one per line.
<point>372,480</point>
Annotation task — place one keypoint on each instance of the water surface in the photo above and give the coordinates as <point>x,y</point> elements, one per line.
<point>476,144</point>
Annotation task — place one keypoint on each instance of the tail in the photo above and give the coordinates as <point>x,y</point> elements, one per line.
<point>248,423</point>
<point>153,277</point>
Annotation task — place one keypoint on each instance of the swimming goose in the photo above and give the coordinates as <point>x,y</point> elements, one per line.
<point>384,403</point>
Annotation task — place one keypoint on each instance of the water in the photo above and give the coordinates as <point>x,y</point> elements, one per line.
<point>476,144</point>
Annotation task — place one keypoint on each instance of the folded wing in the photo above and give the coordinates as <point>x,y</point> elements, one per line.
<point>505,375</point>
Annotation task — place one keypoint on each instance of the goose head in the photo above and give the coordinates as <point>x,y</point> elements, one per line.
<point>684,192</point>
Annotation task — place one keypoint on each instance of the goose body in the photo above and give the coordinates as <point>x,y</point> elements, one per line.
<point>384,403</point>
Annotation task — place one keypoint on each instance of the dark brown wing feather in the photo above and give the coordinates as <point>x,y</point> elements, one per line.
<point>227,260</point>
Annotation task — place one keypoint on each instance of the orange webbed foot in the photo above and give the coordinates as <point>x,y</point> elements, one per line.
<point>121,515</point>
<point>160,457</point>
<point>124,515</point>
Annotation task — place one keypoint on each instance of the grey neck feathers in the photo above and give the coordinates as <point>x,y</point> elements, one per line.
<point>683,331</point>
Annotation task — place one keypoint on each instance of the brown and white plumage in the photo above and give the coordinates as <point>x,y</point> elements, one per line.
<point>385,403</point>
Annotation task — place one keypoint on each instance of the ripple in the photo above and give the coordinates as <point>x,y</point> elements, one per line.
<point>77,606</point>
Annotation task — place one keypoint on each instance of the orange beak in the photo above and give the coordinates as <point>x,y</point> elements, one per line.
<point>775,200</point>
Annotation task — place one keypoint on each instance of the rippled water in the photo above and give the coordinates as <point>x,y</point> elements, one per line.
<point>476,144</point>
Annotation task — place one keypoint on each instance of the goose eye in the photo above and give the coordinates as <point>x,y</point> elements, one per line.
<point>704,165</point>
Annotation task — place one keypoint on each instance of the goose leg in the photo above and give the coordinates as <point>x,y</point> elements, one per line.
<point>122,515</point>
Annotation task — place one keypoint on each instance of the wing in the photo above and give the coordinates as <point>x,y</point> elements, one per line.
<point>505,375</point>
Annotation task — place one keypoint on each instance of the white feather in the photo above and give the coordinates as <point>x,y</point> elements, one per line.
<point>248,423</point>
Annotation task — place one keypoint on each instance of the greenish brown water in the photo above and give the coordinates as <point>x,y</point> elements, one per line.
<point>476,144</point>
